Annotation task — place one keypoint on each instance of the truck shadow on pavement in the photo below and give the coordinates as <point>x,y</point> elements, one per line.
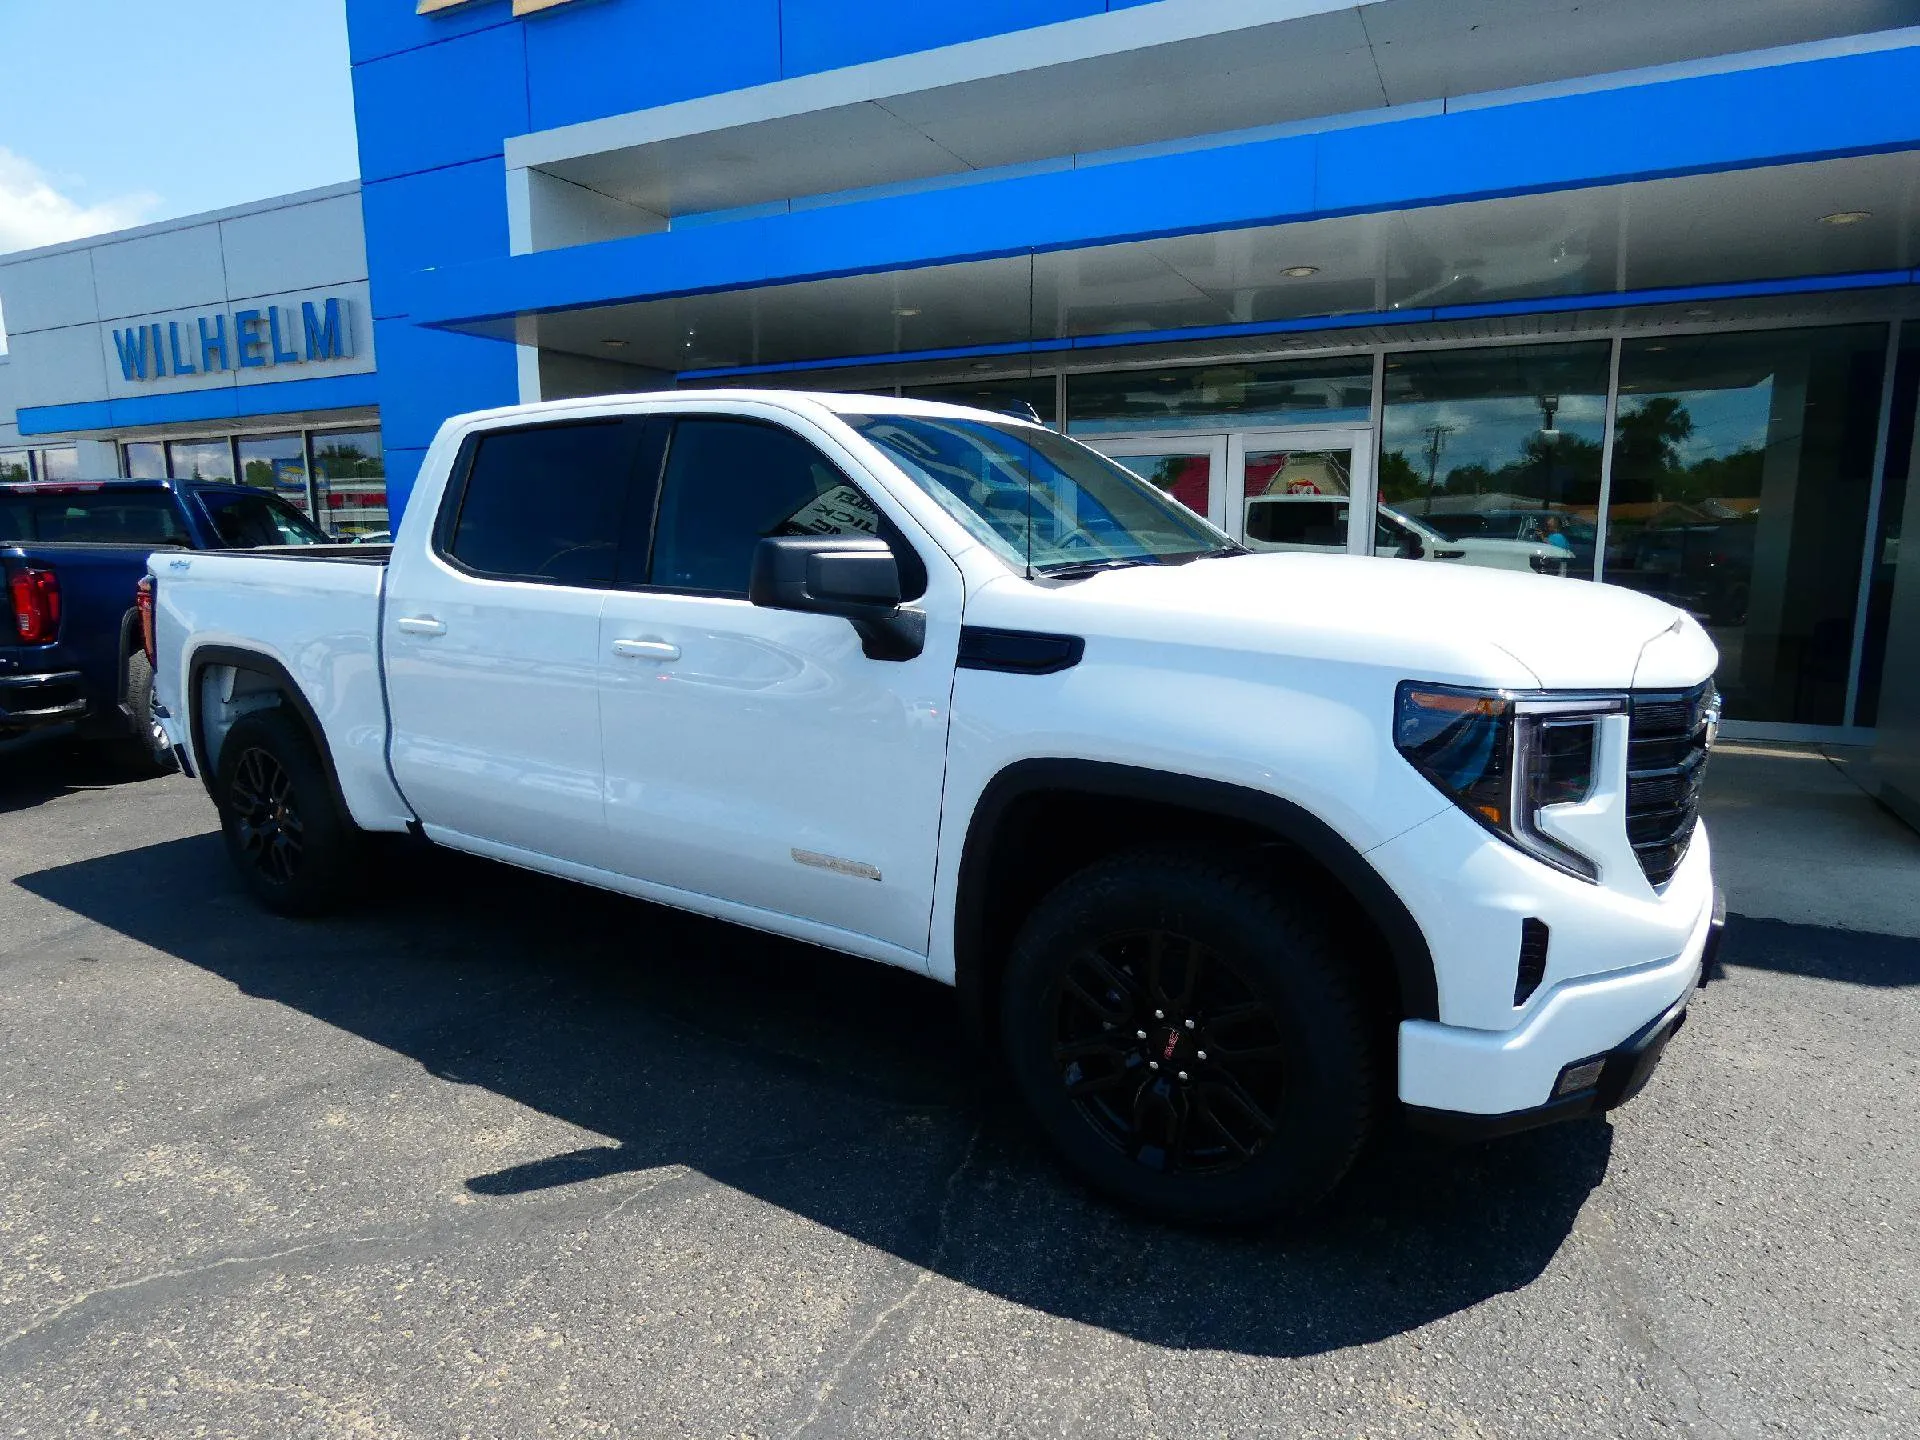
<point>37,768</point>
<point>836,1089</point>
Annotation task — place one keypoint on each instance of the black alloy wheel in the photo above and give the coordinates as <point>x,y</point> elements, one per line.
<point>287,834</point>
<point>1191,1036</point>
<point>1169,1053</point>
<point>271,834</point>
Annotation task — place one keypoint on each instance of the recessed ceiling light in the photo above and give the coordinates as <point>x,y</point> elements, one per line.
<point>1300,272</point>
<point>1700,314</point>
<point>983,364</point>
<point>906,312</point>
<point>614,344</point>
<point>1846,217</point>
<point>1655,349</point>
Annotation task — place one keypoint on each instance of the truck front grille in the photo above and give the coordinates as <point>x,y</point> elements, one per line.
<point>1666,763</point>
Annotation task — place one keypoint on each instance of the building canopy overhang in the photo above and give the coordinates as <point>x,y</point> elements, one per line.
<point>1803,171</point>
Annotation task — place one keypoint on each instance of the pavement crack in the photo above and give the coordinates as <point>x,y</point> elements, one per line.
<point>190,1272</point>
<point>864,1341</point>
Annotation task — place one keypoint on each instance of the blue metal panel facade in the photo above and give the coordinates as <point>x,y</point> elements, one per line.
<point>438,96</point>
<point>827,34</point>
<point>228,402</point>
<point>1850,105</point>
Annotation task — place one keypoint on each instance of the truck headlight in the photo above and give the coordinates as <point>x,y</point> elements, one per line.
<point>1505,756</point>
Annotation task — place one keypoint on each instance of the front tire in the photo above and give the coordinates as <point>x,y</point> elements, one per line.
<point>285,833</point>
<point>1188,1036</point>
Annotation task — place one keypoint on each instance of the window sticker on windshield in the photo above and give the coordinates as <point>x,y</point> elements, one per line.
<point>842,510</point>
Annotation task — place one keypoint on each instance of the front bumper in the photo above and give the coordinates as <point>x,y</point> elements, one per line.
<point>28,702</point>
<point>1612,1028</point>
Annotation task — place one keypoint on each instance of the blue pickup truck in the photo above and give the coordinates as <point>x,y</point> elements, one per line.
<point>73,553</point>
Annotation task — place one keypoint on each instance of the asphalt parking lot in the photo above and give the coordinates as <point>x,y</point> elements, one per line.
<point>502,1157</point>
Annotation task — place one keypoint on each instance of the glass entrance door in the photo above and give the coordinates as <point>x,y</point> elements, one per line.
<point>1301,490</point>
<point>1190,468</point>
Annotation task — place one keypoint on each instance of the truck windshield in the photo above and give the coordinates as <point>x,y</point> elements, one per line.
<point>98,517</point>
<point>1046,504</point>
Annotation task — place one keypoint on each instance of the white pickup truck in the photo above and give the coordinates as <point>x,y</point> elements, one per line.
<point>1227,853</point>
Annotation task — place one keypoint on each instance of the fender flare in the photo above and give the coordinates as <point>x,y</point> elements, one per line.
<point>1407,948</point>
<point>204,659</point>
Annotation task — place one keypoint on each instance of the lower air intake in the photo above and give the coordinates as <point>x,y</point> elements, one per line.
<point>1533,959</point>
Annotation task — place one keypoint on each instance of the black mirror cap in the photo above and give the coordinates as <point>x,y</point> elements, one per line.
<point>863,575</point>
<point>825,574</point>
<point>856,577</point>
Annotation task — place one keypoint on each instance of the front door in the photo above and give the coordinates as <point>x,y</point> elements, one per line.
<point>758,756</point>
<point>1288,489</point>
<point>1302,490</point>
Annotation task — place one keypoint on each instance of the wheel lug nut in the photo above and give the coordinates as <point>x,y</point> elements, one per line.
<point>1139,1034</point>
<point>1199,1054</point>
<point>1183,1074</point>
<point>1153,1064</point>
<point>1189,1024</point>
<point>1159,1014</point>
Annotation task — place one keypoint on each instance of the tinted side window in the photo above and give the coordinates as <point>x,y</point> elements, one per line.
<point>545,503</point>
<point>729,484</point>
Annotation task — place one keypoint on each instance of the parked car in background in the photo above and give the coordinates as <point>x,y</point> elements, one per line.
<point>1571,534</point>
<point>73,552</point>
<point>1319,522</point>
<point>1228,854</point>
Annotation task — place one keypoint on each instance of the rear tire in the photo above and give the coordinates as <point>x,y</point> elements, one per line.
<point>145,752</point>
<point>286,834</point>
<point>1190,1039</point>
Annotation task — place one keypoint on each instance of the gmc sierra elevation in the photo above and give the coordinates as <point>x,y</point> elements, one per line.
<point>1226,852</point>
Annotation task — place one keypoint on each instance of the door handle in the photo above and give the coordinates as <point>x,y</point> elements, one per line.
<point>646,650</point>
<point>420,625</point>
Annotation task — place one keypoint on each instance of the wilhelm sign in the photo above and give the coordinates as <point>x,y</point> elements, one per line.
<point>265,335</point>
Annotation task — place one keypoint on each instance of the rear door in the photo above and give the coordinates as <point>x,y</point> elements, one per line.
<point>757,756</point>
<point>491,636</point>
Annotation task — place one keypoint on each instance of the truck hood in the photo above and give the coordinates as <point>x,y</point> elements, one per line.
<point>1493,626</point>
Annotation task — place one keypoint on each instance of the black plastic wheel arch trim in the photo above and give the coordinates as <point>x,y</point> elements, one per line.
<point>208,656</point>
<point>1407,946</point>
<point>1018,652</point>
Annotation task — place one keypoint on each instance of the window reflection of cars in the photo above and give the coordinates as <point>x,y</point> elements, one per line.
<point>1704,568</point>
<point>1319,522</point>
<point>1533,527</point>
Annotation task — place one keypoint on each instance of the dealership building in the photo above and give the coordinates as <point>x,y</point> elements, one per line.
<point>1627,291</point>
<point>235,345</point>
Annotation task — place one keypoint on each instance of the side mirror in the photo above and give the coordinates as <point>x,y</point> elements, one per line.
<point>850,576</point>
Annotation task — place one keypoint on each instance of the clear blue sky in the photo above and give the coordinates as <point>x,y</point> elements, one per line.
<point>121,112</point>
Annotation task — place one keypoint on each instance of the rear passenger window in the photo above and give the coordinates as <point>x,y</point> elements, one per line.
<point>731,483</point>
<point>546,503</point>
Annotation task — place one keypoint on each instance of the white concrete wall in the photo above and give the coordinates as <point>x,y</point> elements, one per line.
<point>63,303</point>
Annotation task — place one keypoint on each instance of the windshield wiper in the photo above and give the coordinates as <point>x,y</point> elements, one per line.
<point>1075,569</point>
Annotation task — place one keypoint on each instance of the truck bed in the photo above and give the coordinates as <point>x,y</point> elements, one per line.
<point>312,613</point>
